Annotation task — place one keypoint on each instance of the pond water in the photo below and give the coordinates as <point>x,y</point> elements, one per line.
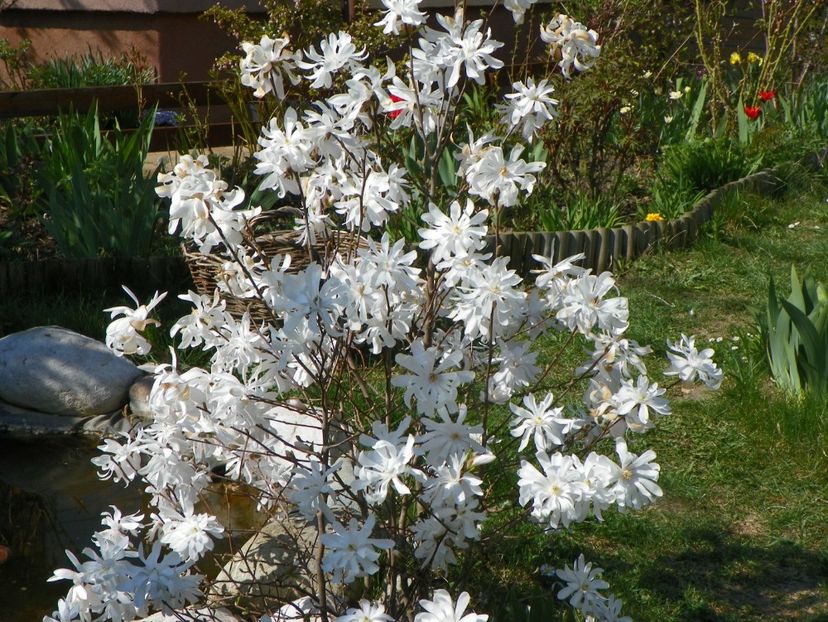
<point>53,501</point>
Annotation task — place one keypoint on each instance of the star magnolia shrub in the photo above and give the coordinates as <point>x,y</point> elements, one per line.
<point>392,383</point>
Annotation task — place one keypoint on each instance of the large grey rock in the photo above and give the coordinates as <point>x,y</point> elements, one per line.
<point>21,422</point>
<point>54,370</point>
<point>139,394</point>
<point>274,566</point>
<point>15,421</point>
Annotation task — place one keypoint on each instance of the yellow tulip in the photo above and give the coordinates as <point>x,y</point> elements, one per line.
<point>753,57</point>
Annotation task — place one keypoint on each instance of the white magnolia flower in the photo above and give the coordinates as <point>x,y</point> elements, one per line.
<point>445,437</point>
<point>635,401</point>
<point>610,610</point>
<point>409,104</point>
<point>367,612</point>
<point>572,43</point>
<point>441,608</point>
<point>285,154</point>
<point>456,234</point>
<point>584,307</point>
<point>614,351</point>
<point>530,107</point>
<point>203,322</point>
<point>583,583</point>
<point>118,528</point>
<point>635,480</point>
<point>310,485</point>
<point>351,552</point>
<point>556,493</point>
<point>431,382</point>
<point>335,53</point>
<point>451,484</point>
<point>191,535</point>
<point>384,465</point>
<point>462,46</point>
<point>517,369</point>
<point>387,266</point>
<point>65,612</point>
<point>400,12</point>
<point>304,609</point>
<point>488,302</point>
<point>123,335</point>
<point>204,207</point>
<point>369,196</point>
<point>518,8</point>
<point>161,581</point>
<point>540,422</point>
<point>264,63</point>
<point>186,166</point>
<point>689,364</point>
<point>500,181</point>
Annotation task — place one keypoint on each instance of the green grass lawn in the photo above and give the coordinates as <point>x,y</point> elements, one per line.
<point>742,530</point>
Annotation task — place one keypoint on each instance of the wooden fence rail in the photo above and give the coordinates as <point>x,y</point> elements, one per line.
<point>205,96</point>
<point>51,102</point>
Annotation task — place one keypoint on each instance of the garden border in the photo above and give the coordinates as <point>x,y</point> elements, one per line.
<point>604,247</point>
<point>54,276</point>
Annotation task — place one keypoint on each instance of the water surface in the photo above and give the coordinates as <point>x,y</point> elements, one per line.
<point>55,503</point>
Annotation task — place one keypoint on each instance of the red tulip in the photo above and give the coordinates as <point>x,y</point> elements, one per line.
<point>766,96</point>
<point>753,112</point>
<point>395,113</point>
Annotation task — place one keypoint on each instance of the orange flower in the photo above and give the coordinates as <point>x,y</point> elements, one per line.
<point>753,112</point>
<point>654,217</point>
<point>766,96</point>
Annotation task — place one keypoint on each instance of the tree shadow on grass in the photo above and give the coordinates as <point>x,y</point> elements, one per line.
<point>722,576</point>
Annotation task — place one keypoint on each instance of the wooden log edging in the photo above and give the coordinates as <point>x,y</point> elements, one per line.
<point>604,248</point>
<point>48,277</point>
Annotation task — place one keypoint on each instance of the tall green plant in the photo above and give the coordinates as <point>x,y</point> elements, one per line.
<point>575,212</point>
<point>795,333</point>
<point>19,156</point>
<point>807,108</point>
<point>99,202</point>
<point>702,166</point>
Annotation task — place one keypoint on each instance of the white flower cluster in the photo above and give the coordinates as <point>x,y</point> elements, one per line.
<point>582,591</point>
<point>123,335</point>
<point>118,582</point>
<point>366,406</point>
<point>202,205</point>
<point>572,43</point>
<point>569,490</point>
<point>266,64</point>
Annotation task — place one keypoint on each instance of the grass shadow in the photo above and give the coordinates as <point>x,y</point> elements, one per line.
<point>722,575</point>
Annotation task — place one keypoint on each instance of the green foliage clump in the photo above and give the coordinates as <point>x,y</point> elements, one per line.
<point>15,61</point>
<point>795,333</point>
<point>574,212</point>
<point>98,200</point>
<point>702,166</point>
<point>19,158</point>
<point>91,69</point>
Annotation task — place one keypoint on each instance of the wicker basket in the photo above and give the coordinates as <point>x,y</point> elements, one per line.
<point>208,270</point>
